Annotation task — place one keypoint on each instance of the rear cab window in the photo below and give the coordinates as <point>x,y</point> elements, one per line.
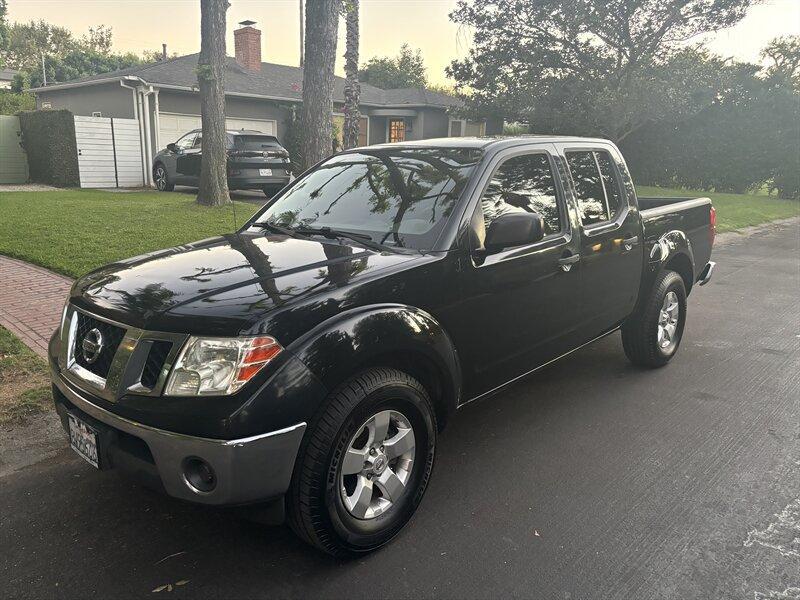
<point>524,183</point>
<point>597,186</point>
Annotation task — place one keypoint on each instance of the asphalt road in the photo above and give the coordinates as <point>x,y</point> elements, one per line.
<point>592,479</point>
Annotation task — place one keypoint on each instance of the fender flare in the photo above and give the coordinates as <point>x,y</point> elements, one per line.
<point>671,249</point>
<point>394,335</point>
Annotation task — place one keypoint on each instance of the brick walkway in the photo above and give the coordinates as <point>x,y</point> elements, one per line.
<point>31,299</point>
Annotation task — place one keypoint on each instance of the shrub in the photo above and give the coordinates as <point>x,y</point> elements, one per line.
<point>48,137</point>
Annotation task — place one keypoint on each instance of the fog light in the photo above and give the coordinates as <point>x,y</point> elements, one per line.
<point>199,474</point>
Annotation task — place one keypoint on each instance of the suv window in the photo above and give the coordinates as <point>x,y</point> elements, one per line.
<point>186,141</point>
<point>198,141</point>
<point>523,184</point>
<point>596,184</point>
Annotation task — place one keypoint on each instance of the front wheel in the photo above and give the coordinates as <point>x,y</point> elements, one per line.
<point>161,179</point>
<point>652,336</point>
<point>364,463</point>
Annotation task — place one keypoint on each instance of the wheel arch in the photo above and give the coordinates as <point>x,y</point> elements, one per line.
<point>398,336</point>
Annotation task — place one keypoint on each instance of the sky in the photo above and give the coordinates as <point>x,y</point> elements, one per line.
<point>385,25</point>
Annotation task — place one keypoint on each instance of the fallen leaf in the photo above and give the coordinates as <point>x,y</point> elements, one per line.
<point>160,588</point>
<point>536,533</point>
<point>182,582</point>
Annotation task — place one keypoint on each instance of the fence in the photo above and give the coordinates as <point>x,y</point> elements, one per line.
<point>13,162</point>
<point>109,152</point>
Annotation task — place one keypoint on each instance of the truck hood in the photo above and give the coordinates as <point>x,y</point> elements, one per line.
<point>224,285</point>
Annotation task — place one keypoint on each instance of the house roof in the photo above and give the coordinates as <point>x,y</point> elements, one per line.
<point>277,82</point>
<point>7,74</point>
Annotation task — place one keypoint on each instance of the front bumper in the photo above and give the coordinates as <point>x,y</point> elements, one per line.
<point>247,470</point>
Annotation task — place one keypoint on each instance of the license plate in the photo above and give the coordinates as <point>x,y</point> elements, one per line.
<point>83,439</point>
<point>265,172</point>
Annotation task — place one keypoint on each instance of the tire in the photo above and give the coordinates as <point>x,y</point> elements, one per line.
<point>319,502</point>
<point>648,337</point>
<point>161,178</point>
<point>271,190</point>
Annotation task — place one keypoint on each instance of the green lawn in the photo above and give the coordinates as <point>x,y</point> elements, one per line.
<point>75,231</point>
<point>736,211</point>
<point>24,381</point>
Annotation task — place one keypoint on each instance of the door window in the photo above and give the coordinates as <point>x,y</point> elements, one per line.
<point>523,183</point>
<point>198,141</point>
<point>596,184</point>
<point>186,141</point>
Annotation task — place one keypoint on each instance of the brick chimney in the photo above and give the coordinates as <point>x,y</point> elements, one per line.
<point>247,40</point>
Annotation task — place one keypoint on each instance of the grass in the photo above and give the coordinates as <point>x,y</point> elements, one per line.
<point>24,381</point>
<point>736,211</point>
<point>75,231</point>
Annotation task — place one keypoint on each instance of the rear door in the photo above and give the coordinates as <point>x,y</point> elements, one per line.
<point>611,234</point>
<point>521,304</point>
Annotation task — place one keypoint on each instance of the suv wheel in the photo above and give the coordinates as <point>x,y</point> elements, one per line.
<point>364,463</point>
<point>161,179</point>
<point>651,337</point>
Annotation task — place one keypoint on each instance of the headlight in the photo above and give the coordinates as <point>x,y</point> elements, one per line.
<point>219,366</point>
<point>64,315</point>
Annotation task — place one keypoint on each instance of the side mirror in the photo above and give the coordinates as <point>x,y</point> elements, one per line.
<point>514,229</point>
<point>172,148</point>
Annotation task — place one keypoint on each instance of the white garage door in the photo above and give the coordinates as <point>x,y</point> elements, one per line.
<point>173,126</point>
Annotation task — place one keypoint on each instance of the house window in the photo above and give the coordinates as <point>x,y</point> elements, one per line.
<point>397,130</point>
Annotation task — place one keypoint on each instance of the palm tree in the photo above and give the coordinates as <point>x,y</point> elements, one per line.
<point>322,24</point>
<point>210,77</point>
<point>352,89</point>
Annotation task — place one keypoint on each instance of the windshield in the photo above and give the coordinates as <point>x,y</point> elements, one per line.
<point>398,196</point>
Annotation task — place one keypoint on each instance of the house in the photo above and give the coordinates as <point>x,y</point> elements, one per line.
<point>6,78</point>
<point>164,98</point>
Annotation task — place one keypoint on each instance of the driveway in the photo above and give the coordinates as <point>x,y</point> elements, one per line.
<point>592,479</point>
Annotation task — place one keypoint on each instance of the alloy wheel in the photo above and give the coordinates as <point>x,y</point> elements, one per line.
<point>668,321</point>
<point>377,464</point>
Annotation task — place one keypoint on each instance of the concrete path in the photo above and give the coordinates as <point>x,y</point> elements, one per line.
<point>31,300</point>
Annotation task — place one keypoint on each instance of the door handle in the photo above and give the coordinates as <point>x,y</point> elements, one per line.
<point>567,262</point>
<point>630,242</point>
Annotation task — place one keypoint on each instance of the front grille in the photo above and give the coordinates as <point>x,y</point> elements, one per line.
<point>111,336</point>
<point>159,350</point>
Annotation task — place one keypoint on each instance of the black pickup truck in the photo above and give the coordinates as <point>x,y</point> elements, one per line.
<point>307,362</point>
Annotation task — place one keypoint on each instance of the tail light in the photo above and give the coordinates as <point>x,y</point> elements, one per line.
<point>712,228</point>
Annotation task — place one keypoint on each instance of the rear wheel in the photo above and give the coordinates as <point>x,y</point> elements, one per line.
<point>364,463</point>
<point>651,337</point>
<point>271,190</point>
<point>161,179</point>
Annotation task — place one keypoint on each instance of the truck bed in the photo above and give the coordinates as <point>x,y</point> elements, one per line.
<point>661,215</point>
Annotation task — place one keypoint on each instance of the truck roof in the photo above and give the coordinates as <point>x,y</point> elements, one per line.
<point>485,142</point>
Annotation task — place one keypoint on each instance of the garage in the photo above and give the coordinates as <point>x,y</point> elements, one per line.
<point>173,125</point>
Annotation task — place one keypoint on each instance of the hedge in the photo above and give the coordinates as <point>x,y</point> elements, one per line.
<point>48,137</point>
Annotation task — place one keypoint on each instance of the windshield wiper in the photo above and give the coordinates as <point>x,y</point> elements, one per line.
<point>333,234</point>
<point>274,228</point>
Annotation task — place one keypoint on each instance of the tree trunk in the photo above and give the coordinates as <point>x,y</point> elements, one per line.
<point>322,23</point>
<point>210,77</point>
<point>352,89</point>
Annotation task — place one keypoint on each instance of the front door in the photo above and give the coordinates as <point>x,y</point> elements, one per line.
<point>611,236</point>
<point>189,162</point>
<point>520,304</point>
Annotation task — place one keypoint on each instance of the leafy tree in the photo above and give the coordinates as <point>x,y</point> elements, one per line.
<point>3,30</point>
<point>66,57</point>
<point>407,69</point>
<point>12,103</point>
<point>151,56</point>
<point>321,26</point>
<point>213,189</point>
<point>598,67</point>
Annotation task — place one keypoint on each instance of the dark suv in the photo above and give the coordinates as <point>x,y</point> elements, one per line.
<point>256,161</point>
